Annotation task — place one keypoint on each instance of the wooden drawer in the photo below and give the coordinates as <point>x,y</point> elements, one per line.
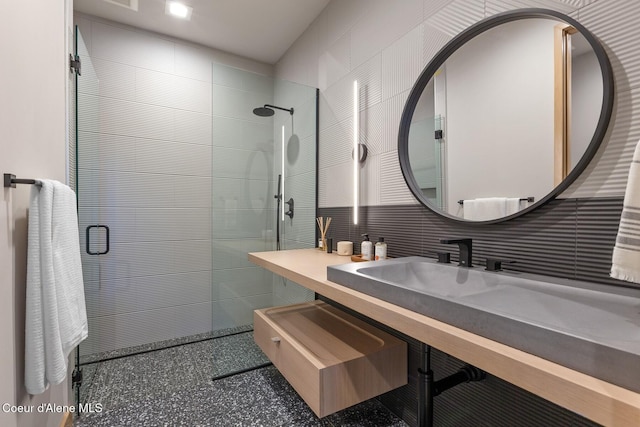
<point>332,359</point>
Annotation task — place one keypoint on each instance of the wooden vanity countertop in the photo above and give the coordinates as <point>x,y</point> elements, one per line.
<point>600,401</point>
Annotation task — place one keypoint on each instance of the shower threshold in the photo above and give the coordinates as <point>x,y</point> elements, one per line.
<point>162,345</point>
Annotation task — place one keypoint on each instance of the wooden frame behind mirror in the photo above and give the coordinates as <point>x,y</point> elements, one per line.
<point>562,101</point>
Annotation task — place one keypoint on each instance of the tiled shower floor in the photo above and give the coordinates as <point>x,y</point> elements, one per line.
<point>174,387</point>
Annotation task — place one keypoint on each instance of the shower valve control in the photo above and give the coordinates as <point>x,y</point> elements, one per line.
<point>290,203</point>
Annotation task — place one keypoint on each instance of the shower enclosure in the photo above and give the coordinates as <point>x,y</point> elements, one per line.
<point>177,182</point>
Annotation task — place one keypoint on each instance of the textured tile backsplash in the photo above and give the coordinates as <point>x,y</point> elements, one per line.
<point>570,238</point>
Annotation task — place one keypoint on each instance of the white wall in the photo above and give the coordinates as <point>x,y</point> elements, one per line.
<point>586,93</point>
<point>32,142</point>
<point>386,44</point>
<point>422,143</point>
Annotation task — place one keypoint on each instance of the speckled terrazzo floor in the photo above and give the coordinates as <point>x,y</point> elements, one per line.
<point>117,381</point>
<point>173,387</point>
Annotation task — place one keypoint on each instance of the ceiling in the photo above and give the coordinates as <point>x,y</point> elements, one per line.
<point>262,30</point>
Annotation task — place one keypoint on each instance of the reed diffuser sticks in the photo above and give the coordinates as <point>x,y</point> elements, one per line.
<point>323,225</point>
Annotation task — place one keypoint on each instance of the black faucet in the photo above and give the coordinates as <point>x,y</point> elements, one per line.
<point>465,250</point>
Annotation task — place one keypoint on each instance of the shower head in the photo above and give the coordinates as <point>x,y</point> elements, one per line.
<point>263,112</point>
<point>267,110</point>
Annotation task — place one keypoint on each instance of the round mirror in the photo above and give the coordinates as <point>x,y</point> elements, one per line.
<point>505,116</point>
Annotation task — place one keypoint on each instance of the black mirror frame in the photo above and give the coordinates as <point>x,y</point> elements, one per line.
<point>457,42</point>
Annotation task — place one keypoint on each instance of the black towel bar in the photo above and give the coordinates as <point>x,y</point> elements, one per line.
<point>530,199</point>
<point>10,181</point>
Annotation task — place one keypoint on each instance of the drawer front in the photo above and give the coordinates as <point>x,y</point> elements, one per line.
<point>330,369</point>
<point>301,373</point>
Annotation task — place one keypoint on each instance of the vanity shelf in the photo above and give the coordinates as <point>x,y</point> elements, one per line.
<point>598,400</point>
<point>332,359</point>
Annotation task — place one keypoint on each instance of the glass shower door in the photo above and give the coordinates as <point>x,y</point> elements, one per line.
<point>243,216</point>
<point>144,197</point>
<point>250,153</point>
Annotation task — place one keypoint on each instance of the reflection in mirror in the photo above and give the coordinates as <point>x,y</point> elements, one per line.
<point>582,94</point>
<point>516,115</point>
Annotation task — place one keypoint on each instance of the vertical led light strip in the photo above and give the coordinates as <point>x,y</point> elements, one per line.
<point>356,137</point>
<point>282,172</point>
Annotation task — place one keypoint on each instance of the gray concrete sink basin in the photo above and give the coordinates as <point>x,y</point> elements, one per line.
<point>594,329</point>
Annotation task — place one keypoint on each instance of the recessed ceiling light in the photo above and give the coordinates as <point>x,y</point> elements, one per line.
<point>129,4</point>
<point>178,9</point>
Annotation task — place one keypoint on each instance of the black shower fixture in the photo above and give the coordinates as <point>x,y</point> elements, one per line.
<point>267,110</point>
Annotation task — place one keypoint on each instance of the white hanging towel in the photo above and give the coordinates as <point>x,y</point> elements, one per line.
<point>625,263</point>
<point>485,209</point>
<point>512,205</point>
<point>56,316</point>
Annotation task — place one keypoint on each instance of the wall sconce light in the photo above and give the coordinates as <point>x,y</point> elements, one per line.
<point>359,151</point>
<point>282,171</point>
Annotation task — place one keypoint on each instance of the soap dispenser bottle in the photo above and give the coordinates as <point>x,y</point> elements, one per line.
<point>366,248</point>
<point>381,249</point>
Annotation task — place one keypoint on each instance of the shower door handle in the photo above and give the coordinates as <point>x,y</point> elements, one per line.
<point>88,240</point>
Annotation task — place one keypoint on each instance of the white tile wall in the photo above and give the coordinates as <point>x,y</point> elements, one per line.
<point>192,62</point>
<point>232,253</point>
<point>371,128</point>
<point>242,134</point>
<point>148,326</point>
<point>497,6</point>
<point>393,113</point>
<point>233,163</point>
<point>431,7</point>
<point>298,187</point>
<point>370,174</point>
<point>287,292</point>
<point>434,40</point>
<point>102,151</point>
<point>192,192</point>
<point>109,78</point>
<point>402,62</point>
<point>301,160</point>
<point>340,16</point>
<point>128,295</point>
<point>125,218</point>
<point>135,48</point>
<point>239,311</point>
<point>393,189</point>
<point>145,150</point>
<point>381,25</point>
<point>159,157</point>
<point>240,282</point>
<point>337,145</point>
<point>391,31</point>
<point>457,16</point>
<point>191,127</point>
<point>299,229</point>
<point>335,185</point>
<point>335,63</point>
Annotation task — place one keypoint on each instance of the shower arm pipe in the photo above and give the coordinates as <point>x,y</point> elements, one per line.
<point>290,110</point>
